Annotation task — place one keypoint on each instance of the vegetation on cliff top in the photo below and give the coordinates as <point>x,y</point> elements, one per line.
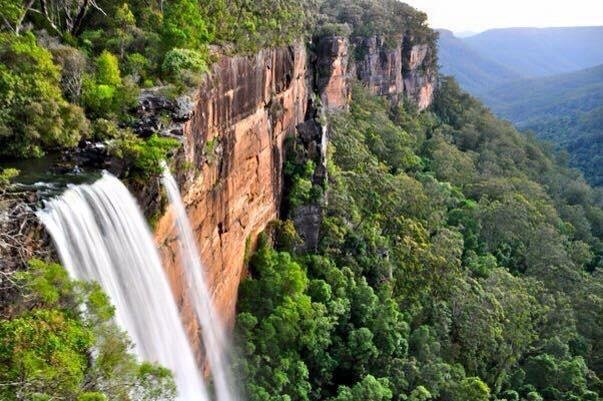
<point>73,71</point>
<point>458,261</point>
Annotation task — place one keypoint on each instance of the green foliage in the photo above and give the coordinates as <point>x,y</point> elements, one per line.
<point>370,17</point>
<point>144,155</point>
<point>455,263</point>
<point>250,26</point>
<point>471,389</point>
<point>184,26</point>
<point>301,184</point>
<point>46,343</point>
<point>334,29</point>
<point>107,70</point>
<point>34,116</point>
<point>105,94</point>
<point>6,175</point>
<point>184,66</point>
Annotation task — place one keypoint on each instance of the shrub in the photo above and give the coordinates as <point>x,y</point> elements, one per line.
<point>137,66</point>
<point>73,65</point>
<point>334,29</point>
<point>145,156</point>
<point>98,98</point>
<point>106,93</point>
<point>34,116</point>
<point>105,129</point>
<point>107,69</point>
<point>6,175</point>
<point>182,65</point>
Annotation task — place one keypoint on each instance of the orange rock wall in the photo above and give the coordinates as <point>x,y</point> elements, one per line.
<point>333,72</point>
<point>231,170</point>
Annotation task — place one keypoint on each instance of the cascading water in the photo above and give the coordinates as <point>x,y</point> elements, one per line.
<point>214,337</point>
<point>101,235</point>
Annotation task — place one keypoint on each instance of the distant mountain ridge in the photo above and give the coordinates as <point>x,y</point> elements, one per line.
<point>483,61</point>
<point>475,72</point>
<point>537,52</point>
<point>527,100</point>
<point>549,81</point>
<point>566,109</point>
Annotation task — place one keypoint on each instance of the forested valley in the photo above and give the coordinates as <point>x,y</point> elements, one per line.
<point>458,259</point>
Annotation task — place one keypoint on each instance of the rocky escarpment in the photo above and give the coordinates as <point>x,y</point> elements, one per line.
<point>419,72</point>
<point>379,65</point>
<point>396,66</point>
<point>334,71</point>
<point>230,168</point>
<point>234,129</point>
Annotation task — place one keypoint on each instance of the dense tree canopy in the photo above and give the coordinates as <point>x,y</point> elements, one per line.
<point>60,342</point>
<point>458,261</point>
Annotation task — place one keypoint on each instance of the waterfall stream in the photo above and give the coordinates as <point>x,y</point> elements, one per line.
<point>215,339</point>
<point>101,235</point>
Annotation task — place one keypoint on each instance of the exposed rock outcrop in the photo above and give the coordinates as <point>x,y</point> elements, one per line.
<point>231,166</point>
<point>394,67</point>
<point>230,169</point>
<point>419,73</point>
<point>379,65</point>
<point>333,73</point>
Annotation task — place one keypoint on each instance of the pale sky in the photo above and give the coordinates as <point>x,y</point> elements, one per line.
<point>479,15</point>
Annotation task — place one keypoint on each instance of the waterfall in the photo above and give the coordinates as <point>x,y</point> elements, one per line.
<point>215,339</point>
<point>101,235</point>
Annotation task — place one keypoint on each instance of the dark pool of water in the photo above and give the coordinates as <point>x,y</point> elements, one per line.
<point>49,175</point>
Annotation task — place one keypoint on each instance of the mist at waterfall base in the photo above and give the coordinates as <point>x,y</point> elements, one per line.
<point>100,234</point>
<point>215,339</point>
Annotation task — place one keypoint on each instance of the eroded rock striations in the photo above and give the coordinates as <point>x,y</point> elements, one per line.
<point>231,166</point>
<point>379,65</point>
<point>233,129</point>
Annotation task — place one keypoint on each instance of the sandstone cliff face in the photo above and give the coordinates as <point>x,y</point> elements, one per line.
<point>379,65</point>
<point>333,73</point>
<point>396,67</point>
<point>419,75</point>
<point>231,168</point>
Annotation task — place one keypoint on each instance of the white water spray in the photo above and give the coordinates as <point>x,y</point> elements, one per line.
<point>101,235</point>
<point>214,336</point>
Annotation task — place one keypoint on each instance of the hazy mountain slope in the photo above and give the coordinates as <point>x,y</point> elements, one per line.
<point>473,71</point>
<point>566,109</point>
<point>536,52</point>
<point>526,100</point>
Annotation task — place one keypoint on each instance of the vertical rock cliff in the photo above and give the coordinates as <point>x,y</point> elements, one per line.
<point>231,166</point>
<point>234,127</point>
<point>333,71</point>
<point>394,67</point>
<point>379,65</point>
<point>419,72</point>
